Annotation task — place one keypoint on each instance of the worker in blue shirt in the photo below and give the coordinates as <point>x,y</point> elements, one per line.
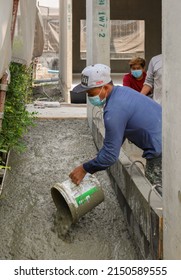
<point>127,114</point>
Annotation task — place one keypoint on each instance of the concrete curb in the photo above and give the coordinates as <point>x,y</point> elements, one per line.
<point>64,111</point>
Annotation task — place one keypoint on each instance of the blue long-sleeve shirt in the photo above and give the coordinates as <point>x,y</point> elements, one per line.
<point>128,114</point>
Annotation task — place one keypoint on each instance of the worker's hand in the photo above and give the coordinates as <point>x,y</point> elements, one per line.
<point>77,174</point>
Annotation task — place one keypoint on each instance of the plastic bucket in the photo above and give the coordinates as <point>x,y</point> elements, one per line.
<point>75,200</point>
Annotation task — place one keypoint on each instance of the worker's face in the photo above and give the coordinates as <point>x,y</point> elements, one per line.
<point>96,97</point>
<point>137,71</point>
<point>95,91</point>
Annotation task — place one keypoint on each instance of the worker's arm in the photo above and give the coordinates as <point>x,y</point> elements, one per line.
<point>149,81</point>
<point>146,89</point>
<point>115,124</point>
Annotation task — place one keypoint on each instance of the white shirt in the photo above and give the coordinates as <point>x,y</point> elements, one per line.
<point>154,77</point>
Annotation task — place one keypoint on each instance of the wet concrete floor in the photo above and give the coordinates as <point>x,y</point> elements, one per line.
<point>28,227</point>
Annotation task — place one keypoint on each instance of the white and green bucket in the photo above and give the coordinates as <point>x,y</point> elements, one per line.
<point>77,200</point>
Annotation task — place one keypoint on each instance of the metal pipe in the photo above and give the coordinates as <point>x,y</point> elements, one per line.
<point>46,80</point>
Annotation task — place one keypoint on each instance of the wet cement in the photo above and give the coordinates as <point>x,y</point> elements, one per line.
<point>29,225</point>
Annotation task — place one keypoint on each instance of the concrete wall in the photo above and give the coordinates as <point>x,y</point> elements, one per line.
<point>147,10</point>
<point>171,129</point>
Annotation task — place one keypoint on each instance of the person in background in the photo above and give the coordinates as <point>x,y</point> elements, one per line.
<point>127,115</point>
<point>137,75</point>
<point>153,79</point>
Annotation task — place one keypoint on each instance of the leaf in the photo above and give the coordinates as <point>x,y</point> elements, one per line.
<point>5,167</point>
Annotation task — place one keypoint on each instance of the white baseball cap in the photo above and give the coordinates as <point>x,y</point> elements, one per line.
<point>93,76</point>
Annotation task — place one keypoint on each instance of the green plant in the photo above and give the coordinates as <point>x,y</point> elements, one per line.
<point>16,118</point>
<point>2,161</point>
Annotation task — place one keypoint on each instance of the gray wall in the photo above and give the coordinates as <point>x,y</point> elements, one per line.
<point>147,10</point>
<point>171,103</point>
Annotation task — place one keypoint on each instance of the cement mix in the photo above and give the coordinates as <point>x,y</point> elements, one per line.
<point>29,227</point>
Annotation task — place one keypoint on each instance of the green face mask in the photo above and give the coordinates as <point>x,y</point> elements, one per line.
<point>96,101</point>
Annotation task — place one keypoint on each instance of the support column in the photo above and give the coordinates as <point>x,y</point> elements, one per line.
<point>171,129</point>
<point>98,31</point>
<point>65,53</point>
<point>98,38</point>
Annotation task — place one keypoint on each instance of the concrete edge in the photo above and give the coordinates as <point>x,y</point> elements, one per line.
<point>4,175</point>
<point>64,111</point>
<point>60,118</point>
